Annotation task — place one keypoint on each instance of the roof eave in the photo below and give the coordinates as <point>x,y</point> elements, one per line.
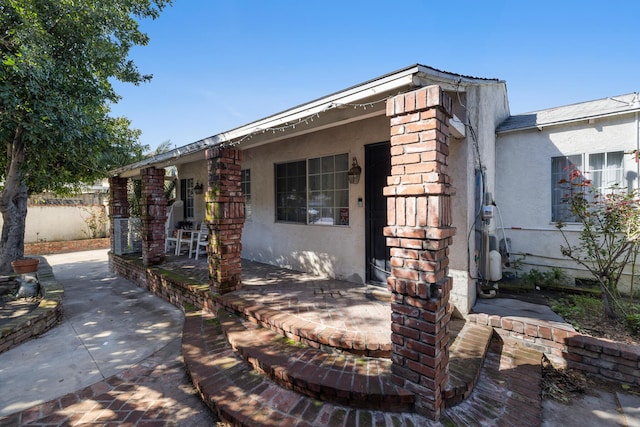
<point>540,126</point>
<point>408,77</point>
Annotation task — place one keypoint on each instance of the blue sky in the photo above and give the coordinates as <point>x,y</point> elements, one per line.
<point>219,64</point>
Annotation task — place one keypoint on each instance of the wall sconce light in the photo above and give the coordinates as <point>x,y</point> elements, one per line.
<point>354,172</point>
<point>197,189</point>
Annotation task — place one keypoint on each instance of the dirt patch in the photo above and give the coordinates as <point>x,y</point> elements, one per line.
<point>562,385</point>
<point>603,327</point>
<point>565,385</point>
<point>588,320</point>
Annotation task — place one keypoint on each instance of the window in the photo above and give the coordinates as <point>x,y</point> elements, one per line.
<point>186,195</point>
<point>329,190</point>
<point>604,170</point>
<point>291,192</point>
<point>245,182</point>
<point>314,191</point>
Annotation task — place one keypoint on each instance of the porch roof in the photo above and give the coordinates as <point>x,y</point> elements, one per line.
<point>311,117</point>
<point>606,107</point>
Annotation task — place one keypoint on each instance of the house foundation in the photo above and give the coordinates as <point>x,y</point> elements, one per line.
<point>418,234</point>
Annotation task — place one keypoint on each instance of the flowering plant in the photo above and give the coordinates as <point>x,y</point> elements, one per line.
<point>610,234</point>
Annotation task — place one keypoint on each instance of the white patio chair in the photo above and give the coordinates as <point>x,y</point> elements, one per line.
<point>170,235</point>
<point>199,240</point>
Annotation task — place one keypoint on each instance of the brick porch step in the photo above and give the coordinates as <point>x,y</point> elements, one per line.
<point>309,333</point>
<point>243,397</point>
<point>310,378</point>
<point>359,382</point>
<point>467,352</point>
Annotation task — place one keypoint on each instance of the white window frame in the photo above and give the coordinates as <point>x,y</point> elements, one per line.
<point>186,194</point>
<point>245,183</point>
<point>585,164</point>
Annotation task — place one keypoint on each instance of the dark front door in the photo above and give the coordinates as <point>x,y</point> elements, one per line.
<point>377,169</point>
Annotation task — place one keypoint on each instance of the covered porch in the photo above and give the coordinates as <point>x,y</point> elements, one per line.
<point>322,313</point>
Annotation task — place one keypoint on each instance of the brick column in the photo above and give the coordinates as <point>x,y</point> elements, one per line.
<point>418,234</point>
<point>154,215</point>
<point>225,217</point>
<point>118,205</point>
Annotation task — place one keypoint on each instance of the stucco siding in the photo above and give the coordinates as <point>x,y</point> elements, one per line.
<point>482,106</point>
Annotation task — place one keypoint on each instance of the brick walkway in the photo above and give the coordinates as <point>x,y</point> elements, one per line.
<point>508,389</point>
<point>155,392</point>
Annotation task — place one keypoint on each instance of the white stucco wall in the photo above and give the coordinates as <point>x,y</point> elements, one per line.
<point>484,106</point>
<point>51,223</point>
<point>334,251</point>
<point>523,189</point>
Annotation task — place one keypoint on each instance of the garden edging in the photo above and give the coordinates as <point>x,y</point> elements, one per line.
<point>565,347</point>
<point>42,318</point>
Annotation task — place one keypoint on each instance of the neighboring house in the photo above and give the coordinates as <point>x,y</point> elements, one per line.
<point>301,210</point>
<point>534,152</point>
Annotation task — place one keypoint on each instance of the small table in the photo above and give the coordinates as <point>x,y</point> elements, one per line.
<point>184,236</point>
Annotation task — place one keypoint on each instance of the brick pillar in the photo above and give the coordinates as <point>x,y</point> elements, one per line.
<point>225,217</point>
<point>154,215</point>
<point>118,205</point>
<point>418,234</point>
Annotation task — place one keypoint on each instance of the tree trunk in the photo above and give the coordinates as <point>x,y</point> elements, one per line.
<point>13,227</point>
<point>13,204</point>
<point>609,309</point>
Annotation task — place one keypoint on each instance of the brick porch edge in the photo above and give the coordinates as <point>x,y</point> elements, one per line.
<point>565,347</point>
<point>560,343</point>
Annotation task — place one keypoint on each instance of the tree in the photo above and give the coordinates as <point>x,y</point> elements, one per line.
<point>610,234</point>
<point>58,60</point>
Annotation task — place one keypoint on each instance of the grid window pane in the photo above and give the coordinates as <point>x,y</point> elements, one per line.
<point>246,190</point>
<point>561,168</point>
<point>314,166</point>
<point>186,195</point>
<point>291,192</point>
<point>329,185</point>
<point>313,192</point>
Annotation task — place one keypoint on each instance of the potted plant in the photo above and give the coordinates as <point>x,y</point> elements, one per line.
<point>25,265</point>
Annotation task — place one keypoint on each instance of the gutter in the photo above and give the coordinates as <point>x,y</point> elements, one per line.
<point>541,126</point>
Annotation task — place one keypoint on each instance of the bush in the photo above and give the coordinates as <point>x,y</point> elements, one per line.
<point>554,278</point>
<point>633,323</point>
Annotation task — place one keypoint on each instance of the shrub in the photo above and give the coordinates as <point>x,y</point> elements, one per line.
<point>610,234</point>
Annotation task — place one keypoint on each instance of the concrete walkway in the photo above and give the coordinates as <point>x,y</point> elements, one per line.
<point>112,332</point>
